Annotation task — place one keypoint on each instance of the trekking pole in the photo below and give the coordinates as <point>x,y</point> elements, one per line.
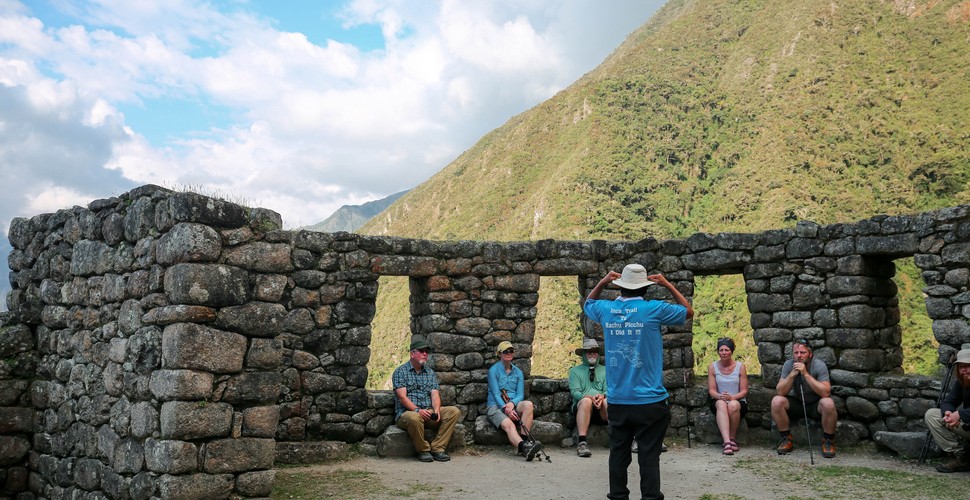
<point>521,426</point>
<point>683,364</point>
<point>946,385</point>
<point>808,433</point>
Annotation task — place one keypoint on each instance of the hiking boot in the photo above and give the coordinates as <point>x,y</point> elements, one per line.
<point>530,449</point>
<point>582,449</point>
<point>785,446</point>
<point>958,463</point>
<point>425,457</point>
<point>440,456</point>
<point>828,448</point>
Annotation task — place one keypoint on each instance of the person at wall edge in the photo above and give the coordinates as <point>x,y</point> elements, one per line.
<point>950,423</point>
<point>417,404</point>
<point>633,341</point>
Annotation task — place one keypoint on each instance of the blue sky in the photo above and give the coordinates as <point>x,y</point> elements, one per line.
<point>296,106</point>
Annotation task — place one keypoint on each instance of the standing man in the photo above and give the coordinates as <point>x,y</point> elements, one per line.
<point>634,378</point>
<point>418,404</point>
<point>587,383</point>
<point>803,374</point>
<point>506,379</point>
<point>950,423</point>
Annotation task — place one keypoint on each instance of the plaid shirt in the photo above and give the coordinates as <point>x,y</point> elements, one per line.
<point>418,385</point>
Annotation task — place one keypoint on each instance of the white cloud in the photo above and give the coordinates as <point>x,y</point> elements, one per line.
<point>314,126</point>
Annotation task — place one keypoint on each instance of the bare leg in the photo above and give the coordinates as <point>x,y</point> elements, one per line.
<point>723,420</point>
<point>583,412</point>
<point>779,412</point>
<point>826,408</point>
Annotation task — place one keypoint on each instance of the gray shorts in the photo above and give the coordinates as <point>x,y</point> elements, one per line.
<point>496,415</point>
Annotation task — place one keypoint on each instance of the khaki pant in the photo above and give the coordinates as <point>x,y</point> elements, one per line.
<point>414,425</point>
<point>947,439</point>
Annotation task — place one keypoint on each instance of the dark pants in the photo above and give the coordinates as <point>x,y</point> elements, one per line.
<point>647,424</point>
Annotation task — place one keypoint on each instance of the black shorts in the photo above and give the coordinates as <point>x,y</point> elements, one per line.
<point>795,409</point>
<point>712,404</point>
<point>594,417</point>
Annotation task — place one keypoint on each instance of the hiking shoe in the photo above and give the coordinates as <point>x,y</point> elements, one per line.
<point>440,456</point>
<point>531,449</point>
<point>828,448</point>
<point>663,447</point>
<point>958,463</point>
<point>785,446</point>
<point>582,449</point>
<point>634,448</point>
<point>425,457</point>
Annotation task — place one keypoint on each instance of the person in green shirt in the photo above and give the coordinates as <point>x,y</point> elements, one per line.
<point>587,383</point>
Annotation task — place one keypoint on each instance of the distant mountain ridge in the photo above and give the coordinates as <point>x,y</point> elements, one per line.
<point>349,218</point>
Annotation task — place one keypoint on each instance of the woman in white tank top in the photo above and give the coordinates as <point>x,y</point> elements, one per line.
<point>727,384</point>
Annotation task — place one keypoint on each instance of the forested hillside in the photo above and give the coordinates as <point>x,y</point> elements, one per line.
<point>717,115</point>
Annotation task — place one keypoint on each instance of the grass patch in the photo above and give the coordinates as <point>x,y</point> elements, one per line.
<point>846,481</point>
<point>341,483</point>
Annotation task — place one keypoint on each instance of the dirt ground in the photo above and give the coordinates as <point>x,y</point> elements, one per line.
<point>697,472</point>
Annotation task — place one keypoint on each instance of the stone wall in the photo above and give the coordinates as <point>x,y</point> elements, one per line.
<point>169,344</point>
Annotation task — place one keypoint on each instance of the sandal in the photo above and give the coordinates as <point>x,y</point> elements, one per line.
<point>734,446</point>
<point>728,449</point>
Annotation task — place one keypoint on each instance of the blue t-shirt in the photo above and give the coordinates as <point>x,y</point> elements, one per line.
<point>634,346</point>
<point>513,383</point>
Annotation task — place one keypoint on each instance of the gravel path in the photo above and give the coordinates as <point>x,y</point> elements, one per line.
<point>686,473</point>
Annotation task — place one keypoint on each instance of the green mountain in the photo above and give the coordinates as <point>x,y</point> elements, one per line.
<point>350,217</point>
<point>720,115</point>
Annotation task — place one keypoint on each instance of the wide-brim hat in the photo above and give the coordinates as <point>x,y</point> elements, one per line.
<point>503,345</point>
<point>634,276</point>
<point>419,343</point>
<point>589,345</point>
<point>963,356</point>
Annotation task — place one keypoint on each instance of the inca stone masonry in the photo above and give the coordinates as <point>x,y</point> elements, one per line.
<point>165,344</point>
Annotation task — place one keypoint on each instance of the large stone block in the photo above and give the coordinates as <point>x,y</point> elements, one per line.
<point>185,420</point>
<point>198,347</point>
<point>261,256</point>
<point>308,452</point>
<point>238,455</point>
<point>395,442</point>
<point>905,444</point>
<point>192,385</point>
<point>255,319</point>
<point>952,331</point>
<point>16,419</point>
<point>192,207</point>
<point>171,457</point>
<point>196,486</point>
<point>13,449</point>
<point>188,242</point>
<point>255,484</point>
<point>212,285</point>
<point>253,387</point>
<point>260,421</point>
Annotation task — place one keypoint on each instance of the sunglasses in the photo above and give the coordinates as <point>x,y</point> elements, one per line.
<point>508,351</point>
<point>423,351</point>
<point>802,342</point>
<point>724,339</point>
